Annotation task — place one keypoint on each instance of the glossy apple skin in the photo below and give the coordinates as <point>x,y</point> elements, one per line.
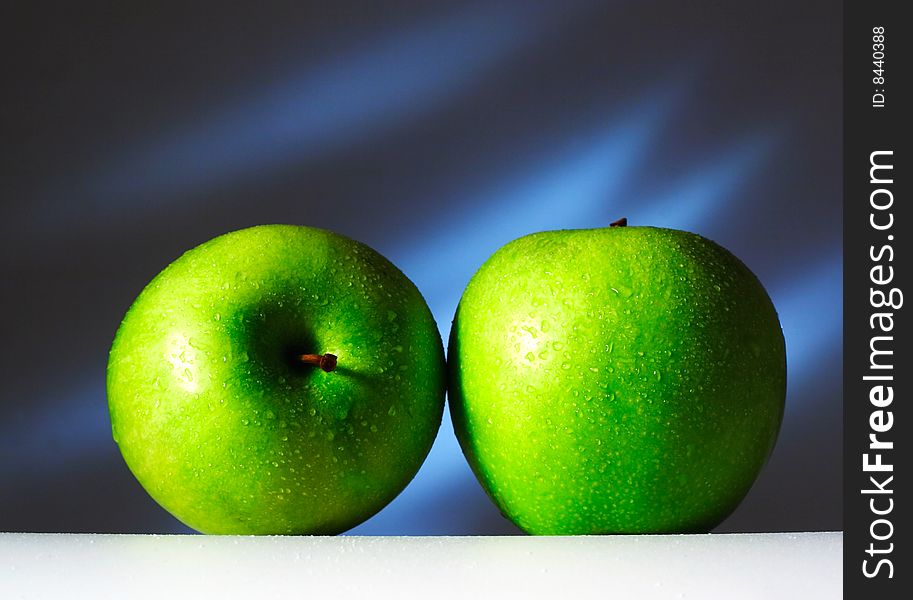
<point>222,427</point>
<point>619,380</point>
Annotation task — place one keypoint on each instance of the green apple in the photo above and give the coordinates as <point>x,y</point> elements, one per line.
<point>617,380</point>
<point>276,380</point>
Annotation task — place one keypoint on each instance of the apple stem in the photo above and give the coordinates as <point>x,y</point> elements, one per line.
<point>622,222</point>
<point>327,361</point>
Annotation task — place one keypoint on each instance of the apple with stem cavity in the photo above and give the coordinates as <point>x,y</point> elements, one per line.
<point>276,380</point>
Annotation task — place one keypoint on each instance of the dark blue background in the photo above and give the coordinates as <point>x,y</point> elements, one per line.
<point>434,132</point>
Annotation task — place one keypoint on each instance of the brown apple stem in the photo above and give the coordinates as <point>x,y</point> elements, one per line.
<point>327,361</point>
<point>622,222</point>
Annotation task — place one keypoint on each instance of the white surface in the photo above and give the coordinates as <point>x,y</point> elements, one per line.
<point>733,566</point>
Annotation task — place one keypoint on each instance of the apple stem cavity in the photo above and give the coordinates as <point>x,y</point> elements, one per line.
<point>327,361</point>
<point>622,222</point>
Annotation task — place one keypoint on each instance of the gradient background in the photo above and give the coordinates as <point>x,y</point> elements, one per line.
<point>436,132</point>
